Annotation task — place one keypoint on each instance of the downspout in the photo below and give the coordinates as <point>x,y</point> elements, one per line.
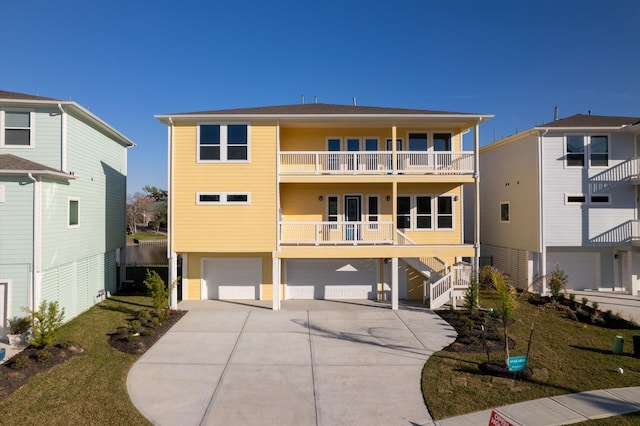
<point>34,300</point>
<point>543,250</point>
<point>171,255</point>
<point>63,139</point>
<point>276,263</point>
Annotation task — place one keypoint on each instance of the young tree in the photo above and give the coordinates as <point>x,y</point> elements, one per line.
<point>507,304</point>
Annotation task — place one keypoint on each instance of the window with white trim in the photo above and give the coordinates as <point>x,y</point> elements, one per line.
<point>16,128</point>
<point>575,199</point>
<point>424,212</point>
<point>73,213</point>
<point>223,142</point>
<point>373,207</point>
<point>223,198</point>
<point>504,212</point>
<point>442,141</point>
<point>599,151</point>
<point>574,149</point>
<point>599,199</point>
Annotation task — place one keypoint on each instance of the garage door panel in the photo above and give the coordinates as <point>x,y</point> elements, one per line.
<point>233,278</point>
<point>331,279</point>
<point>582,269</point>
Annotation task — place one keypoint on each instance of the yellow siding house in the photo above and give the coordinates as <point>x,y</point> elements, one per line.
<point>316,201</point>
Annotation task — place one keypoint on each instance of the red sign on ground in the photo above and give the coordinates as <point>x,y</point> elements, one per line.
<point>497,420</point>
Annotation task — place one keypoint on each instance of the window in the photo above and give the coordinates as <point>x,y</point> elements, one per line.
<point>332,210</point>
<point>445,212</point>
<point>599,151</point>
<point>575,150</point>
<point>575,199</point>
<point>372,210</point>
<point>17,128</point>
<point>416,212</point>
<point>442,141</point>
<point>223,142</point>
<point>599,199</point>
<point>222,198</point>
<point>423,212</point>
<point>504,212</point>
<point>417,141</point>
<point>333,144</point>
<point>74,213</point>
<point>370,144</point>
<point>389,147</point>
<point>353,144</point>
<point>403,218</point>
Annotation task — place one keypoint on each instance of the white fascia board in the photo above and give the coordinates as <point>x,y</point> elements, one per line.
<point>73,106</point>
<point>47,173</point>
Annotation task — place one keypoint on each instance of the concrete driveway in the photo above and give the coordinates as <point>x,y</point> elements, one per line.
<point>312,363</point>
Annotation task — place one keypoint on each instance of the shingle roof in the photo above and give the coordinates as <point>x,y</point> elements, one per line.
<point>10,164</point>
<point>321,109</point>
<point>588,121</point>
<point>4,94</point>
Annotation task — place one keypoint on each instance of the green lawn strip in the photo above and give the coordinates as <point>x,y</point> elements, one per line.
<point>147,235</point>
<point>89,389</point>
<point>565,356</point>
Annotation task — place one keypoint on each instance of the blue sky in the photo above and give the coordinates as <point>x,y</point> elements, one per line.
<point>128,60</point>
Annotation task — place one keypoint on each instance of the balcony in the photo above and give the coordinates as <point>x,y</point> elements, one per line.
<point>311,163</point>
<point>336,233</point>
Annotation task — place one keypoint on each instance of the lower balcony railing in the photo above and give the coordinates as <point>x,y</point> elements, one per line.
<point>333,233</point>
<point>375,162</point>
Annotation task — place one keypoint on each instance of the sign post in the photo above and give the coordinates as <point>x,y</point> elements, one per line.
<point>517,363</point>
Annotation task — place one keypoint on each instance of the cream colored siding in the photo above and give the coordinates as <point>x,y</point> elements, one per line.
<point>508,173</point>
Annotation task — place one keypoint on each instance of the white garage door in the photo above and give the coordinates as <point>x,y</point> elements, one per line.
<point>331,279</point>
<point>582,269</point>
<point>232,278</point>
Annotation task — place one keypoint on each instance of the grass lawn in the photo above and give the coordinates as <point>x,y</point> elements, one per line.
<point>89,389</point>
<point>147,235</point>
<point>565,357</point>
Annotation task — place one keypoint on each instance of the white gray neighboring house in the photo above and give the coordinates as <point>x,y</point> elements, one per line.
<point>565,194</point>
<point>63,175</point>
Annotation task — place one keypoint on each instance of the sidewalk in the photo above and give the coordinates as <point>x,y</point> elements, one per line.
<point>557,410</point>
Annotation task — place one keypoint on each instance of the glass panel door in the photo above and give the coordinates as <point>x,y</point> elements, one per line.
<point>353,213</point>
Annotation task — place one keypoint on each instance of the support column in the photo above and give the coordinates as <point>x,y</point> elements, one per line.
<point>173,277</point>
<point>543,271</point>
<point>394,283</point>
<point>476,206</point>
<point>276,280</point>
<point>394,151</point>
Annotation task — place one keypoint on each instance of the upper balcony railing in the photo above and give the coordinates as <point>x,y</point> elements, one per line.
<point>375,162</point>
<point>335,233</point>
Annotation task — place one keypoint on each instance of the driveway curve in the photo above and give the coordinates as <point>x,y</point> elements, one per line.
<point>312,363</point>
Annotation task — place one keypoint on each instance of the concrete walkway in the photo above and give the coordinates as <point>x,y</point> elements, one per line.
<point>313,363</point>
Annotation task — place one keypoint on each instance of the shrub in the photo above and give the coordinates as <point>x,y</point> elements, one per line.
<point>585,301</point>
<point>45,322</point>
<point>144,316</point>
<point>19,325</point>
<point>471,295</point>
<point>136,326</point>
<point>146,332</point>
<point>43,355</point>
<point>507,304</point>
<point>572,297</point>
<point>155,321</point>
<point>159,293</point>
<point>486,274</point>
<point>557,283</point>
<point>595,305</point>
<point>21,362</point>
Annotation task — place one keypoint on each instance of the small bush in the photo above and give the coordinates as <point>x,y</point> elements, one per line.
<point>43,355</point>
<point>131,337</point>
<point>146,332</point>
<point>595,305</point>
<point>155,321</point>
<point>45,323</point>
<point>135,326</point>
<point>144,316</point>
<point>21,362</point>
<point>159,293</point>
<point>572,297</point>
<point>19,325</point>
<point>471,295</point>
<point>557,283</point>
<point>585,301</point>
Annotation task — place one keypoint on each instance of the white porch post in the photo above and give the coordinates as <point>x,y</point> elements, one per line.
<point>173,276</point>
<point>394,283</point>
<point>276,283</point>
<point>476,206</point>
<point>543,270</point>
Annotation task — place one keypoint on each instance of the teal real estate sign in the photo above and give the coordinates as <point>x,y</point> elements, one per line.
<point>517,363</point>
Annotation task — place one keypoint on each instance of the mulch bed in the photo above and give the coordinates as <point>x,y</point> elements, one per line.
<point>473,339</point>
<point>12,379</point>
<point>137,345</point>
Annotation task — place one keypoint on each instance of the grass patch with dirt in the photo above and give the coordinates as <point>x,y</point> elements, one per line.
<point>86,389</point>
<point>566,356</point>
<point>147,235</point>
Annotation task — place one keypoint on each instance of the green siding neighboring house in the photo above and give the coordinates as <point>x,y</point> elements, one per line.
<point>62,205</point>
